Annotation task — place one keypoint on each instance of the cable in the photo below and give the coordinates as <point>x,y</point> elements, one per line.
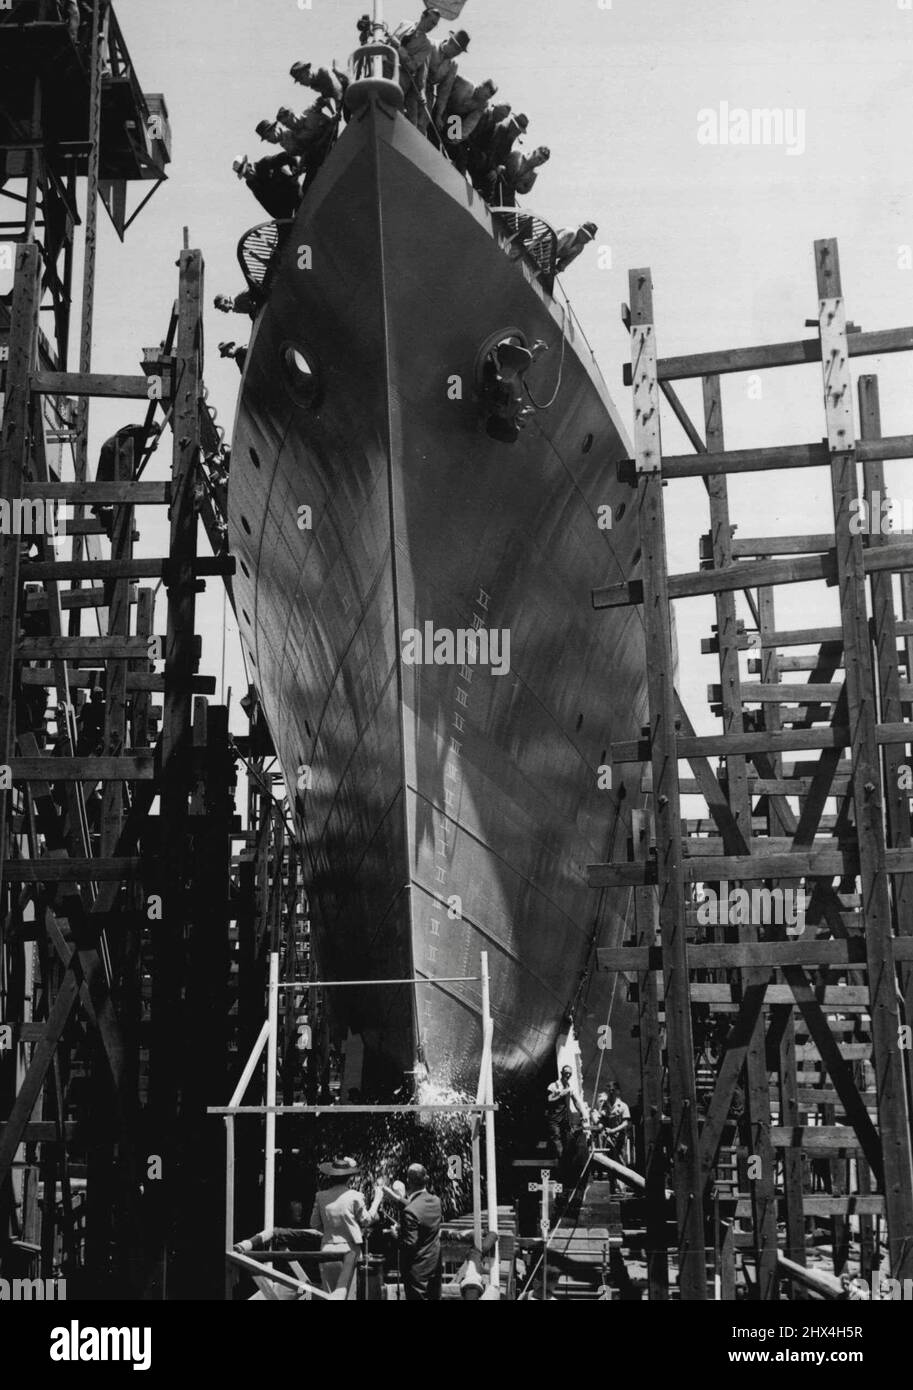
<point>554,395</point>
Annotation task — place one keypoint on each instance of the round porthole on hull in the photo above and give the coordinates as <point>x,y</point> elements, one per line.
<point>299,372</point>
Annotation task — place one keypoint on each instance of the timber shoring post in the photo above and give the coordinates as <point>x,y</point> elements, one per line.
<point>783,1024</point>
<point>81,452</point>
<point>884,636</point>
<point>172,1025</point>
<point>14,455</point>
<point>686,1169</point>
<point>764,1202</point>
<point>890,1079</point>
<point>651,1073</point>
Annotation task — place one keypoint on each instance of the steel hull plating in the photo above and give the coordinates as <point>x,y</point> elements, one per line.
<point>445,809</point>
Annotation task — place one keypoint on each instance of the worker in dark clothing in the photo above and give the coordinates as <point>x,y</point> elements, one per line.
<point>107,460</point>
<point>307,136</point>
<point>466,107</point>
<point>233,350</point>
<point>570,242</point>
<point>420,1239</point>
<point>520,173</point>
<point>562,1105</point>
<point>273,182</point>
<point>244,303</point>
<point>508,131</point>
<point>414,48</point>
<point>442,73</point>
<point>483,163</point>
<point>330,86</point>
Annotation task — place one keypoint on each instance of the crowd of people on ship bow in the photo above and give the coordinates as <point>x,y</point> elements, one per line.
<point>479,135</point>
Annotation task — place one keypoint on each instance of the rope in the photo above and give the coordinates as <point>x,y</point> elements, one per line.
<point>554,395</point>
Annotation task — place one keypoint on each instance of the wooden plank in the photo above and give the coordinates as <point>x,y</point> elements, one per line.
<point>852,1205</point>
<point>781,456</point>
<point>770,741</point>
<point>740,955</point>
<point>136,680</point>
<point>757,546</point>
<point>894,1122</point>
<point>815,1137</point>
<point>134,767</point>
<point>73,870</point>
<point>204,565</point>
<point>91,384</point>
<point>683,1099</point>
<point>117,647</point>
<point>89,494</point>
<point>790,354</point>
<point>749,574</point>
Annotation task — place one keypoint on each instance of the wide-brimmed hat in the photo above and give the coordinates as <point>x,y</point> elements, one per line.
<point>241,164</point>
<point>339,1168</point>
<point>590,228</point>
<point>297,68</point>
<point>461,37</point>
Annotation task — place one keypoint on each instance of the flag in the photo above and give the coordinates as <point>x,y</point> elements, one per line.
<point>448,9</point>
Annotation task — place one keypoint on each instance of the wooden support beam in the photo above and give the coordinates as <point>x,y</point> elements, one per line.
<point>770,741</point>
<point>749,574</point>
<point>94,384</point>
<point>136,680</point>
<point>204,566</point>
<point>792,354</point>
<point>772,955</point>
<point>116,647</point>
<point>94,494</point>
<point>651,1071</point>
<point>137,766</point>
<point>172,1025</point>
<point>892,691</point>
<point>14,446</point>
<point>890,1079</point>
<point>683,1101</point>
<point>68,870</point>
<point>781,456</point>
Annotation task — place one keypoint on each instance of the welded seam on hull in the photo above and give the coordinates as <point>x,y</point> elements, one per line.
<point>394,576</point>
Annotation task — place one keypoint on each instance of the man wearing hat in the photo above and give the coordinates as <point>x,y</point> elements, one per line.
<point>330,86</point>
<point>340,1214</point>
<point>273,182</point>
<point>420,1239</point>
<point>570,242</point>
<point>442,72</point>
<point>414,48</point>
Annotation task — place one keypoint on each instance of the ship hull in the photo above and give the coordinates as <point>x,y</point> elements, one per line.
<point>445,809</point>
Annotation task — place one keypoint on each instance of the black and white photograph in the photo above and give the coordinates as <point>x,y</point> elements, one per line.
<point>456,673</point>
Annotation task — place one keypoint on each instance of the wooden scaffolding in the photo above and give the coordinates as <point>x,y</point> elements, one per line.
<point>774,1060</point>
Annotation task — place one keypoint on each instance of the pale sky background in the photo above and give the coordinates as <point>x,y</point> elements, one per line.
<point>615,93</point>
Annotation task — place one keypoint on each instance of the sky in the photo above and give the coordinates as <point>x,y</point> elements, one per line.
<point>619,92</point>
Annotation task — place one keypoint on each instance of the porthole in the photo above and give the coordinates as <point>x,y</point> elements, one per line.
<point>299,371</point>
<point>620,510</point>
<point>254,457</point>
<point>587,443</point>
<point>245,617</point>
<point>250,657</point>
<point>246,524</point>
<point>244,570</point>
